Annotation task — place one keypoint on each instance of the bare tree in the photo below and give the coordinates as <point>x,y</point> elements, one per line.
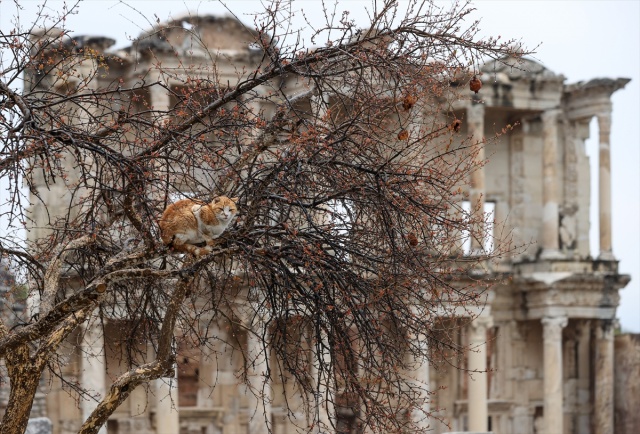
<point>350,172</point>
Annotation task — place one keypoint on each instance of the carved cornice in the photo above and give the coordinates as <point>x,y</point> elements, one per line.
<point>521,68</point>
<point>479,326</point>
<point>585,100</point>
<point>595,87</point>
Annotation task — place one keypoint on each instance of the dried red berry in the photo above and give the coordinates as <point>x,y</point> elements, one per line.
<point>409,101</point>
<point>475,84</point>
<point>413,240</point>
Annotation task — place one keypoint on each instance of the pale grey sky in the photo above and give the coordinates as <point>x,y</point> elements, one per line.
<point>581,40</point>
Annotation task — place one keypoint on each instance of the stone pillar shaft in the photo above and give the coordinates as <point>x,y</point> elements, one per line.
<point>93,367</point>
<point>477,357</point>
<point>257,372</point>
<point>417,375</point>
<point>550,216</point>
<point>160,98</point>
<point>167,417</point>
<point>604,186</point>
<point>553,382</point>
<point>475,121</point>
<point>603,396</point>
<point>324,397</point>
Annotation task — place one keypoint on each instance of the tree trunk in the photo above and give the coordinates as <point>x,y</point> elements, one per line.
<point>24,374</point>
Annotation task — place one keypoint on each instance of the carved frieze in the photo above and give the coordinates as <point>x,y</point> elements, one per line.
<point>588,293</point>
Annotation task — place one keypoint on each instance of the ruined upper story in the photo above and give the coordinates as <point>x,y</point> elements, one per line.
<point>537,174</point>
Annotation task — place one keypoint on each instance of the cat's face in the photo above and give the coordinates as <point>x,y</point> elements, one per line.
<point>225,208</point>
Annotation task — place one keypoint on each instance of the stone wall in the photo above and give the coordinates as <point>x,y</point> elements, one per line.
<point>627,383</point>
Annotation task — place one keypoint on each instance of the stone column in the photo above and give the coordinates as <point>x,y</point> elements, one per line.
<point>604,186</point>
<point>553,382</point>
<point>550,216</point>
<point>475,122</point>
<point>207,375</point>
<point>500,228</point>
<point>160,98</point>
<point>167,416</point>
<point>324,398</point>
<point>517,196</point>
<point>160,101</point>
<point>93,367</point>
<point>257,373</point>
<point>418,376</point>
<point>213,373</point>
<point>477,399</point>
<point>603,408</point>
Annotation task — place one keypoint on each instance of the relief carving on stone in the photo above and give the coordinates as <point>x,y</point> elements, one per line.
<point>586,296</point>
<point>568,229</point>
<point>517,196</point>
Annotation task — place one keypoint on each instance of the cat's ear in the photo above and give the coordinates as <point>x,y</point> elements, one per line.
<point>235,199</point>
<point>216,199</point>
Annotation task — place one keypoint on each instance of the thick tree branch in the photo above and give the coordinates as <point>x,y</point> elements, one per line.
<point>126,383</point>
<point>53,341</point>
<point>55,269</point>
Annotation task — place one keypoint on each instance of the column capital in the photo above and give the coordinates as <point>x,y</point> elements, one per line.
<point>604,126</point>
<point>604,115</point>
<point>481,322</point>
<point>550,115</point>
<point>605,328</point>
<point>257,314</point>
<point>552,327</point>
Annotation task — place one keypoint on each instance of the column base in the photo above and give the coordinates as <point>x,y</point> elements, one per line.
<point>606,255</point>
<point>551,254</point>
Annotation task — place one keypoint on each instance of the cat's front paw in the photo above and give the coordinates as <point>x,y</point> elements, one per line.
<point>204,250</point>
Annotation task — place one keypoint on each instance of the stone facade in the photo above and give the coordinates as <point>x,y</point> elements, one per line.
<point>544,347</point>
<point>627,383</point>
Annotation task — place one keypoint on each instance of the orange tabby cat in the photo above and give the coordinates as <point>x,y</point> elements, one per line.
<point>187,223</point>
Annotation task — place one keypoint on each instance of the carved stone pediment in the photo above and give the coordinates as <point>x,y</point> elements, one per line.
<point>197,35</point>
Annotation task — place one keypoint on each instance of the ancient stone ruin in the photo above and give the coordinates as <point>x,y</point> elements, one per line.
<point>545,354</point>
